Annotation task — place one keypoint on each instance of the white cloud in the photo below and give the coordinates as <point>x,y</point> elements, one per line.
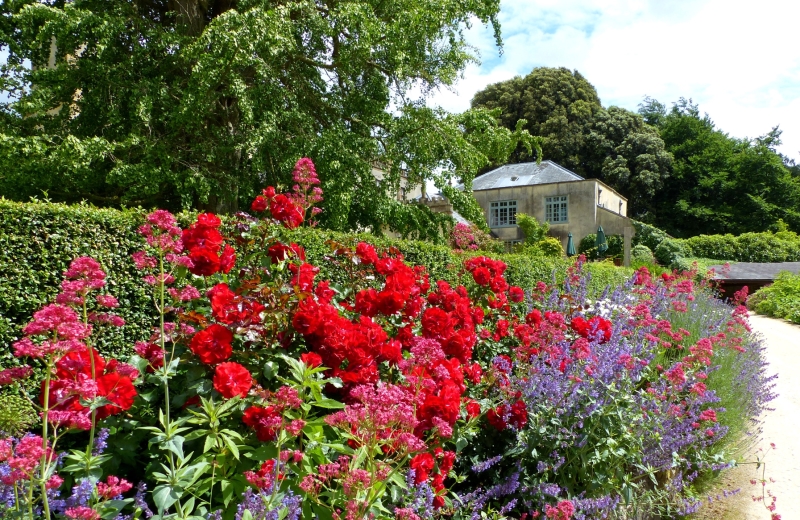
<point>738,60</point>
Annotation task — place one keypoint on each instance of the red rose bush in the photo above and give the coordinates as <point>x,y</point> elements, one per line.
<point>265,391</point>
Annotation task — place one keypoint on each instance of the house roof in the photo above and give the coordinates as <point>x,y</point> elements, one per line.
<point>524,174</point>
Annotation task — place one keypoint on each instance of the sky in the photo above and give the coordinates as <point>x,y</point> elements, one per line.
<point>739,61</point>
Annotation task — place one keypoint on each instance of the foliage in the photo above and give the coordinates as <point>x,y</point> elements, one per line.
<point>533,230</point>
<point>17,415</point>
<point>642,253</point>
<point>670,250</point>
<point>647,235</point>
<point>562,107</point>
<point>781,299</point>
<point>383,392</point>
<point>719,184</point>
<point>616,244</point>
<point>537,243</point>
<point>199,104</point>
<point>747,247</point>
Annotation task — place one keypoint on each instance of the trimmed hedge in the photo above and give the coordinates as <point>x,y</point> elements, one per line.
<point>39,240</point>
<point>747,247</point>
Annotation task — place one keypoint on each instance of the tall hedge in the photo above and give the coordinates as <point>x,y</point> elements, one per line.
<point>38,241</point>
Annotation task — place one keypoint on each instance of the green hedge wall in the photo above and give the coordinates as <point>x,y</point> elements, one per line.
<point>747,247</point>
<point>38,241</point>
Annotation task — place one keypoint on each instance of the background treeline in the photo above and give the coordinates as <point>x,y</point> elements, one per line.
<point>678,170</point>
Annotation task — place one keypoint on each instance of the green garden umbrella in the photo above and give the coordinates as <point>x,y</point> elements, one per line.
<point>602,245</point>
<point>570,246</point>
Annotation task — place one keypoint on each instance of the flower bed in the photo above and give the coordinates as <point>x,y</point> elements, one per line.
<point>266,391</point>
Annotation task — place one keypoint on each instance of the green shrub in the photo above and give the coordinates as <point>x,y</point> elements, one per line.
<point>781,299</point>
<point>647,235</point>
<point>616,245</point>
<point>549,246</point>
<point>642,253</point>
<point>16,415</point>
<point>670,250</point>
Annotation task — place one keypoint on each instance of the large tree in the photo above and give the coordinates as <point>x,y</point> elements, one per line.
<point>720,184</point>
<point>187,103</point>
<point>562,108</point>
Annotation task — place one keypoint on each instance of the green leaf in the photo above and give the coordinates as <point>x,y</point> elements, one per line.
<point>164,496</point>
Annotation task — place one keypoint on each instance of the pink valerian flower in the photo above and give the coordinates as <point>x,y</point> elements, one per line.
<point>6,449</point>
<point>54,482</point>
<point>708,415</point>
<point>28,454</point>
<point>186,294</point>
<point>106,318</point>
<point>82,513</point>
<point>405,513</point>
<point>295,427</point>
<point>86,269</point>
<point>113,487</point>
<point>144,261</point>
<point>161,232</point>
<point>287,397</point>
<point>58,319</point>
<point>164,278</point>
<point>69,419</point>
<point>356,480</point>
<point>264,478</point>
<point>106,300</point>
<point>26,347</point>
<point>11,375</point>
<point>699,389</point>
<point>563,511</point>
<point>383,406</point>
<point>676,375</point>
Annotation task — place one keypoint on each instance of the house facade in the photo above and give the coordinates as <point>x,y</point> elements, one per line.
<point>551,193</point>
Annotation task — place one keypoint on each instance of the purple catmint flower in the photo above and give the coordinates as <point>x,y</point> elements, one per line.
<point>480,467</point>
<point>139,500</point>
<point>100,442</point>
<point>81,493</point>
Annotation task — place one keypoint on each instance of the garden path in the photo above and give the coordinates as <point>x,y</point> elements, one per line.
<point>781,427</point>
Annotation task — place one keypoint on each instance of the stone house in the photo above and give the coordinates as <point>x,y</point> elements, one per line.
<point>551,193</point>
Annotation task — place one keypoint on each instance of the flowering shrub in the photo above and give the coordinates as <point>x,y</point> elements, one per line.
<point>265,391</point>
<point>469,237</point>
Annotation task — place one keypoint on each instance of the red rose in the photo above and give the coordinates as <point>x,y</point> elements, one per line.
<point>286,211</point>
<point>436,322</point>
<point>422,464</point>
<point>481,275</point>
<point>208,220</point>
<point>78,363</point>
<point>259,205</point>
<point>212,345</point>
<point>227,259</point>
<point>232,379</point>
<point>534,318</point>
<point>366,252</point>
<point>308,318</point>
<point>205,261</point>
<point>269,192</point>
<point>119,390</point>
<point>495,416</point>
<point>221,296</point>
<point>265,421</point>
<point>303,277</point>
<point>516,294</point>
<point>196,236</point>
<point>473,409</point>
<point>519,415</point>
<point>311,359</point>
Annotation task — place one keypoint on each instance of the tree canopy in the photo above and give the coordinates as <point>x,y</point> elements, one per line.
<point>201,103</point>
<point>561,107</point>
<point>720,184</point>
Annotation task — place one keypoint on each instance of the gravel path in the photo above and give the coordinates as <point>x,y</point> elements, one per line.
<point>781,427</point>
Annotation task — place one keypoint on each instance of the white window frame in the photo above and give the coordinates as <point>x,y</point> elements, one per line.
<point>500,213</point>
<point>556,209</point>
